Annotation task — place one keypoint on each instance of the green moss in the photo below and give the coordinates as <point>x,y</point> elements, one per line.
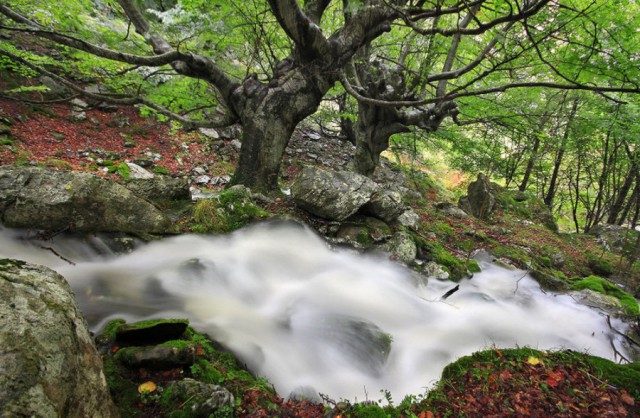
<point>108,333</point>
<point>364,238</point>
<point>123,390</point>
<point>600,285</point>
<point>153,322</point>
<point>515,254</point>
<point>7,263</point>
<point>5,140</point>
<point>599,265</point>
<point>434,251</point>
<point>230,210</point>
<point>161,170</point>
<point>473,266</point>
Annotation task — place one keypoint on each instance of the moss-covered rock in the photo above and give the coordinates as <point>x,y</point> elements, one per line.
<point>526,206</point>
<point>230,210</point>
<point>32,197</point>
<point>152,331</point>
<point>600,285</point>
<point>48,363</point>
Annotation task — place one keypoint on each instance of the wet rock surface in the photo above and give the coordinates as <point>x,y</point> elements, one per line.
<point>48,364</point>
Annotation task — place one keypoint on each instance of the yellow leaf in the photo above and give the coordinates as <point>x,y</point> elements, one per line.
<point>147,387</point>
<point>534,361</point>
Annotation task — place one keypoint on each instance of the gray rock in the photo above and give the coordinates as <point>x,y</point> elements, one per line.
<point>49,366</point>
<point>38,198</point>
<point>331,195</point>
<point>157,357</point>
<point>480,200</point>
<point>55,89</point>
<point>137,172</point>
<point>451,210</point>
<point>79,104</point>
<point>615,237</point>
<point>401,247</point>
<point>209,133</point>
<point>434,270</point>
<point>386,205</point>
<point>202,399</point>
<point>78,115</point>
<point>151,331</point>
<point>409,219</point>
<point>607,303</point>
<point>204,179</point>
<point>160,188</point>
<point>557,260</point>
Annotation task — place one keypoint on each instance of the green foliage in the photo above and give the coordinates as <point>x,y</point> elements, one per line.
<point>600,265</point>
<point>230,210</point>
<point>434,251</point>
<point>122,169</point>
<point>164,171</point>
<point>600,285</point>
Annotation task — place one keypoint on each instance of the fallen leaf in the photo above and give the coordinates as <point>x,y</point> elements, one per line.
<point>147,387</point>
<point>626,398</point>
<point>534,361</point>
<point>426,414</point>
<point>554,379</point>
<point>505,375</point>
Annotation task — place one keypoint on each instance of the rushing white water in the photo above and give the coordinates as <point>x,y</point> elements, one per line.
<point>306,316</point>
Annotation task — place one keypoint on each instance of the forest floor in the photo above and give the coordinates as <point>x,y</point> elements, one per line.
<point>496,384</point>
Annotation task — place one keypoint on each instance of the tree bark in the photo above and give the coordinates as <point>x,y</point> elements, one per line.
<point>269,116</point>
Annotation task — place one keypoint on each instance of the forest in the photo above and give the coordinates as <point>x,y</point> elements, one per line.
<point>319,208</point>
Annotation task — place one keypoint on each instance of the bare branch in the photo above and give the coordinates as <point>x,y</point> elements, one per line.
<point>226,120</point>
<point>35,29</point>
<point>304,32</point>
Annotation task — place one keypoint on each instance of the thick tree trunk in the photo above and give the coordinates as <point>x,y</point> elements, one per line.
<point>269,117</point>
<point>374,128</point>
<point>530,164</point>
<point>618,205</point>
<point>553,184</point>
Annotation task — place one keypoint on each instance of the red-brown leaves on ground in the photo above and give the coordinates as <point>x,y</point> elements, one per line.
<point>523,389</point>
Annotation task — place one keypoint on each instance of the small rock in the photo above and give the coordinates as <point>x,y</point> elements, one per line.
<point>137,172</point>
<point>386,205</point>
<point>209,133</point>
<point>451,210</point>
<point>199,171</point>
<point>235,143</point>
<point>78,116</point>
<point>401,247</point>
<point>202,179</point>
<point>434,270</point>
<point>58,136</point>
<point>151,331</point>
<point>157,357</point>
<point>409,219</point>
<point>204,399</point>
<point>79,104</point>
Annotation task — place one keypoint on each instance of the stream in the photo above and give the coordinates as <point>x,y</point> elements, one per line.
<point>315,319</point>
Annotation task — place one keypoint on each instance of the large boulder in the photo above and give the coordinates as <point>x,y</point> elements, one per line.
<point>481,198</point>
<point>32,197</point>
<point>160,188</point>
<point>49,366</point>
<point>332,195</point>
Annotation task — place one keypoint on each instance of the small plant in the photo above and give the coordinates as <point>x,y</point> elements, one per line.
<point>161,170</point>
<point>121,169</point>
